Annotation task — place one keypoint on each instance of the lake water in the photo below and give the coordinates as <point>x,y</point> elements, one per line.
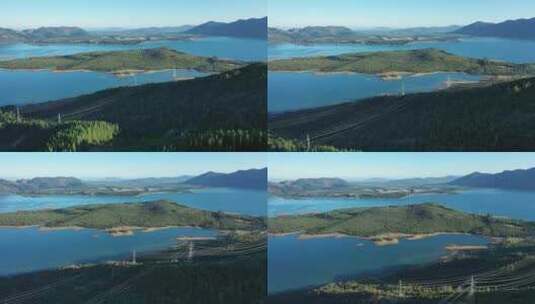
<point>237,201</point>
<point>31,249</point>
<point>222,47</point>
<point>519,51</point>
<point>289,91</point>
<point>294,263</point>
<point>512,204</point>
<point>24,87</point>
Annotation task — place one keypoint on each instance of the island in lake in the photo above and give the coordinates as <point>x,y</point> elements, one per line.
<point>136,238</point>
<point>436,88</point>
<point>175,88</point>
<point>358,239</point>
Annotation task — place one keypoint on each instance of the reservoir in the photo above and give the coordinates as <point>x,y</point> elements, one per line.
<point>245,202</point>
<point>289,91</point>
<point>31,249</point>
<point>295,263</point>
<point>221,47</point>
<point>517,51</point>
<point>503,203</point>
<point>25,87</point>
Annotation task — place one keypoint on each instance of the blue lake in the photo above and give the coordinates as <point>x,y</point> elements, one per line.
<point>237,201</point>
<point>512,204</point>
<point>222,47</point>
<point>519,51</point>
<point>295,263</point>
<point>31,249</point>
<point>289,91</point>
<point>24,87</point>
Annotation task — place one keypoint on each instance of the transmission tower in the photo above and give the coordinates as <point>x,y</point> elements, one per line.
<point>472,286</point>
<point>18,114</point>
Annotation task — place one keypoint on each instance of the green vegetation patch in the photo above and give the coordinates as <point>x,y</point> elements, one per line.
<point>413,220</point>
<point>497,117</point>
<point>413,61</point>
<point>155,214</point>
<point>136,60</point>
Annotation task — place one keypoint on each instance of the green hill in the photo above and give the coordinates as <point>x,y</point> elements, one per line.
<point>155,214</point>
<point>410,220</point>
<point>130,60</point>
<point>224,112</point>
<point>493,118</point>
<point>413,61</point>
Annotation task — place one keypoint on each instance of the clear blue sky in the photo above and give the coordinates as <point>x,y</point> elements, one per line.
<point>126,165</point>
<point>124,13</point>
<point>395,13</point>
<point>392,165</point>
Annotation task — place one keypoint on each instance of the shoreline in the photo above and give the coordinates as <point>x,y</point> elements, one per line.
<point>116,73</point>
<point>386,239</point>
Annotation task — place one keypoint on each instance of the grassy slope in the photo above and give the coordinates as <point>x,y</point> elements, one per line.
<point>494,118</point>
<point>414,219</point>
<point>151,214</point>
<point>154,115</point>
<point>144,60</point>
<point>414,61</point>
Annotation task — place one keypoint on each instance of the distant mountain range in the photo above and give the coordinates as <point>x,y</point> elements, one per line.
<point>41,34</point>
<point>248,179</point>
<point>514,180</point>
<point>145,31</point>
<point>39,184</point>
<point>315,183</point>
<point>249,28</point>
<point>55,32</point>
<point>409,182</point>
<point>519,29</point>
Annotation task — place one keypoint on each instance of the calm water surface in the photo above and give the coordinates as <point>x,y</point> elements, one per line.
<point>222,47</point>
<point>24,87</point>
<point>237,201</point>
<point>31,249</point>
<point>512,204</point>
<point>289,91</point>
<point>519,51</point>
<point>294,263</point>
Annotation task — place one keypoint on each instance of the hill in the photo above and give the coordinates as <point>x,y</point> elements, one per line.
<point>312,34</point>
<point>412,61</point>
<point>9,36</point>
<point>145,31</point>
<point>131,60</point>
<point>383,223</point>
<point>340,34</point>
<point>44,33</point>
<point>224,112</point>
<point>155,214</point>
<point>43,183</point>
<point>517,180</point>
<point>249,28</point>
<point>517,29</point>
<point>304,184</point>
<point>249,179</point>
<point>491,118</point>
<point>40,184</point>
